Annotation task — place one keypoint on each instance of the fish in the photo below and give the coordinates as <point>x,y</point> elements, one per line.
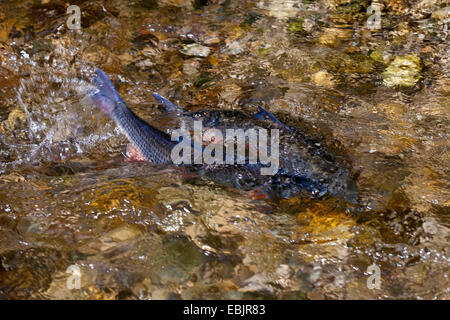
<point>150,143</point>
<point>306,167</point>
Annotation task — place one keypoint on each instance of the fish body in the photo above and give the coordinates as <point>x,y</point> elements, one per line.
<point>306,166</point>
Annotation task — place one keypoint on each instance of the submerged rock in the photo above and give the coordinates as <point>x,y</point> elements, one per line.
<point>191,67</point>
<point>196,50</point>
<point>332,37</point>
<point>280,9</point>
<point>296,26</point>
<point>234,48</point>
<point>404,71</point>
<point>176,260</point>
<point>323,78</point>
<point>350,63</point>
<point>27,272</point>
<point>441,14</point>
<point>379,56</point>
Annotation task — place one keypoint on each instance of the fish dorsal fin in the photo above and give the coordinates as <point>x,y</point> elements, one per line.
<point>170,107</point>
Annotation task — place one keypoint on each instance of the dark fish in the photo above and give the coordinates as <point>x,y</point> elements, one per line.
<point>305,165</point>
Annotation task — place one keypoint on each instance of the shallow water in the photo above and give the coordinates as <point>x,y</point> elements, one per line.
<point>140,231</point>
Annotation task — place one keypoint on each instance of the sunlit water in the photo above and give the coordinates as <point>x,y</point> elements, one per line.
<point>140,231</point>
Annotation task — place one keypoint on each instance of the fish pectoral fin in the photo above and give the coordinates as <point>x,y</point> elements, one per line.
<point>258,194</point>
<point>263,114</point>
<point>134,154</point>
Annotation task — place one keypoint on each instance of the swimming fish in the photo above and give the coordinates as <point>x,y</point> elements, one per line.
<point>305,165</point>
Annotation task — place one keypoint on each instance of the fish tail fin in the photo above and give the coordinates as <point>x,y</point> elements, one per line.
<point>104,103</point>
<point>105,86</point>
<point>105,96</point>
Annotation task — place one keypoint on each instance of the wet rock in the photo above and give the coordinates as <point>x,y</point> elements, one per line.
<point>348,11</point>
<point>379,56</point>
<point>404,71</point>
<point>264,50</point>
<point>397,7</point>
<point>234,295</point>
<point>12,177</point>
<point>250,18</point>
<point>30,226</point>
<point>5,29</point>
<point>24,273</point>
<point>350,63</point>
<point>125,58</point>
<point>280,9</point>
<point>323,78</point>
<point>146,38</point>
<point>230,93</point>
<point>426,181</point>
<point>176,3</point>
<point>196,50</point>
<point>392,110</point>
<point>296,26</point>
<point>357,290</point>
<point>150,52</point>
<point>191,67</point>
<point>16,118</point>
<point>395,144</point>
<point>332,37</point>
<point>176,260</point>
<point>145,64</point>
<point>119,235</point>
<point>99,55</point>
<point>149,4</point>
<point>441,14</point>
<point>258,283</point>
<point>234,48</point>
<point>212,39</point>
<point>423,8</point>
<point>324,223</point>
<point>284,274</point>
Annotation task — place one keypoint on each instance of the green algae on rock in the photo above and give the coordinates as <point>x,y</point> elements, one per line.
<point>379,56</point>
<point>350,63</point>
<point>404,71</point>
<point>296,25</point>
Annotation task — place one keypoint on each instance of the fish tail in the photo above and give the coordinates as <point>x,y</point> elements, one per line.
<point>105,96</point>
<point>105,104</point>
